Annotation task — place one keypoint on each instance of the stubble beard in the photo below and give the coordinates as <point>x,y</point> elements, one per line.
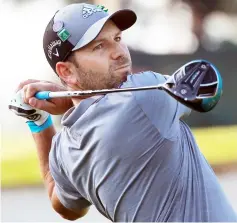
<point>92,80</point>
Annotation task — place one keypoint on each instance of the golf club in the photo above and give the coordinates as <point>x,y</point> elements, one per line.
<point>197,84</point>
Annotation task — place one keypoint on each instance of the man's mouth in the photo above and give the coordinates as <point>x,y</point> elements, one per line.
<point>122,67</point>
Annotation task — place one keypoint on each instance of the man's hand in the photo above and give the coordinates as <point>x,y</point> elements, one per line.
<point>18,106</point>
<point>56,106</point>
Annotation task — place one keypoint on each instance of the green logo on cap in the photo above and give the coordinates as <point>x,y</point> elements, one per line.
<point>103,8</point>
<point>63,35</point>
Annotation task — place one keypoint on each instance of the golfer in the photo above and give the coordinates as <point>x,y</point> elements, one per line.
<point>128,154</point>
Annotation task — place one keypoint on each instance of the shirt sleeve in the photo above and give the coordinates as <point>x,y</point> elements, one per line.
<point>65,191</point>
<point>162,110</point>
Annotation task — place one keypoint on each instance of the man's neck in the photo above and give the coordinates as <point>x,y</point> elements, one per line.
<point>77,100</point>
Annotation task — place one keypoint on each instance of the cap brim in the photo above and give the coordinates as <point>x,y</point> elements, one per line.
<point>123,19</point>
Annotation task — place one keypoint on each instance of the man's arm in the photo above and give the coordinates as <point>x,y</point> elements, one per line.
<point>43,143</point>
<point>36,112</point>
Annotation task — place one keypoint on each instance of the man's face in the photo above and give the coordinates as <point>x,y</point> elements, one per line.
<point>103,63</point>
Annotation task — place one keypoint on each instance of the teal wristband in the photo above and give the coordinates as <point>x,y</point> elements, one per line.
<point>36,129</point>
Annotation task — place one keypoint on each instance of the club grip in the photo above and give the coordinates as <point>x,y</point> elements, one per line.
<point>42,95</point>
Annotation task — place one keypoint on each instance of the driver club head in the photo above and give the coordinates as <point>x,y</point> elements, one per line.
<point>197,84</point>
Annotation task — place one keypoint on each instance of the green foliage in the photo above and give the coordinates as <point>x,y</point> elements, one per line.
<point>20,171</point>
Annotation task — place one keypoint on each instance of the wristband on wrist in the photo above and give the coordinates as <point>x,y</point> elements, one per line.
<point>36,129</point>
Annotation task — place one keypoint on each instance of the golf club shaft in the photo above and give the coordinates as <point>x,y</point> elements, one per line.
<point>42,95</point>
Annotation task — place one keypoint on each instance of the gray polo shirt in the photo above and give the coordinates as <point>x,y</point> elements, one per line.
<point>131,156</point>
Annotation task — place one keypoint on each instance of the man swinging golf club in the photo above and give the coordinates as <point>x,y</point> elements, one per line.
<point>127,153</point>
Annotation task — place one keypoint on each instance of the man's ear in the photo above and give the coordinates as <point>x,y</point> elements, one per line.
<point>65,71</point>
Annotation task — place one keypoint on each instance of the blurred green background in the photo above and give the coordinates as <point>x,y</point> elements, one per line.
<point>168,33</point>
<point>21,168</point>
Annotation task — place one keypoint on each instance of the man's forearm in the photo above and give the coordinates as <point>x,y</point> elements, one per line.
<point>43,142</point>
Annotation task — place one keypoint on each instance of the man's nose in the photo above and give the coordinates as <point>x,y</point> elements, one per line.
<point>118,51</point>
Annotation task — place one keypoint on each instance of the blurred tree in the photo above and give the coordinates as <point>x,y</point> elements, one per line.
<point>208,6</point>
<point>202,8</point>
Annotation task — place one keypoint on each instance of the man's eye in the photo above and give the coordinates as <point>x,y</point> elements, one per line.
<point>98,47</point>
<point>118,39</point>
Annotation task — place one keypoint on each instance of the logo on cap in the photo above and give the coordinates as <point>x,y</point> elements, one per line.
<point>63,35</point>
<point>103,8</point>
<point>51,47</point>
<point>88,11</point>
<point>56,53</point>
